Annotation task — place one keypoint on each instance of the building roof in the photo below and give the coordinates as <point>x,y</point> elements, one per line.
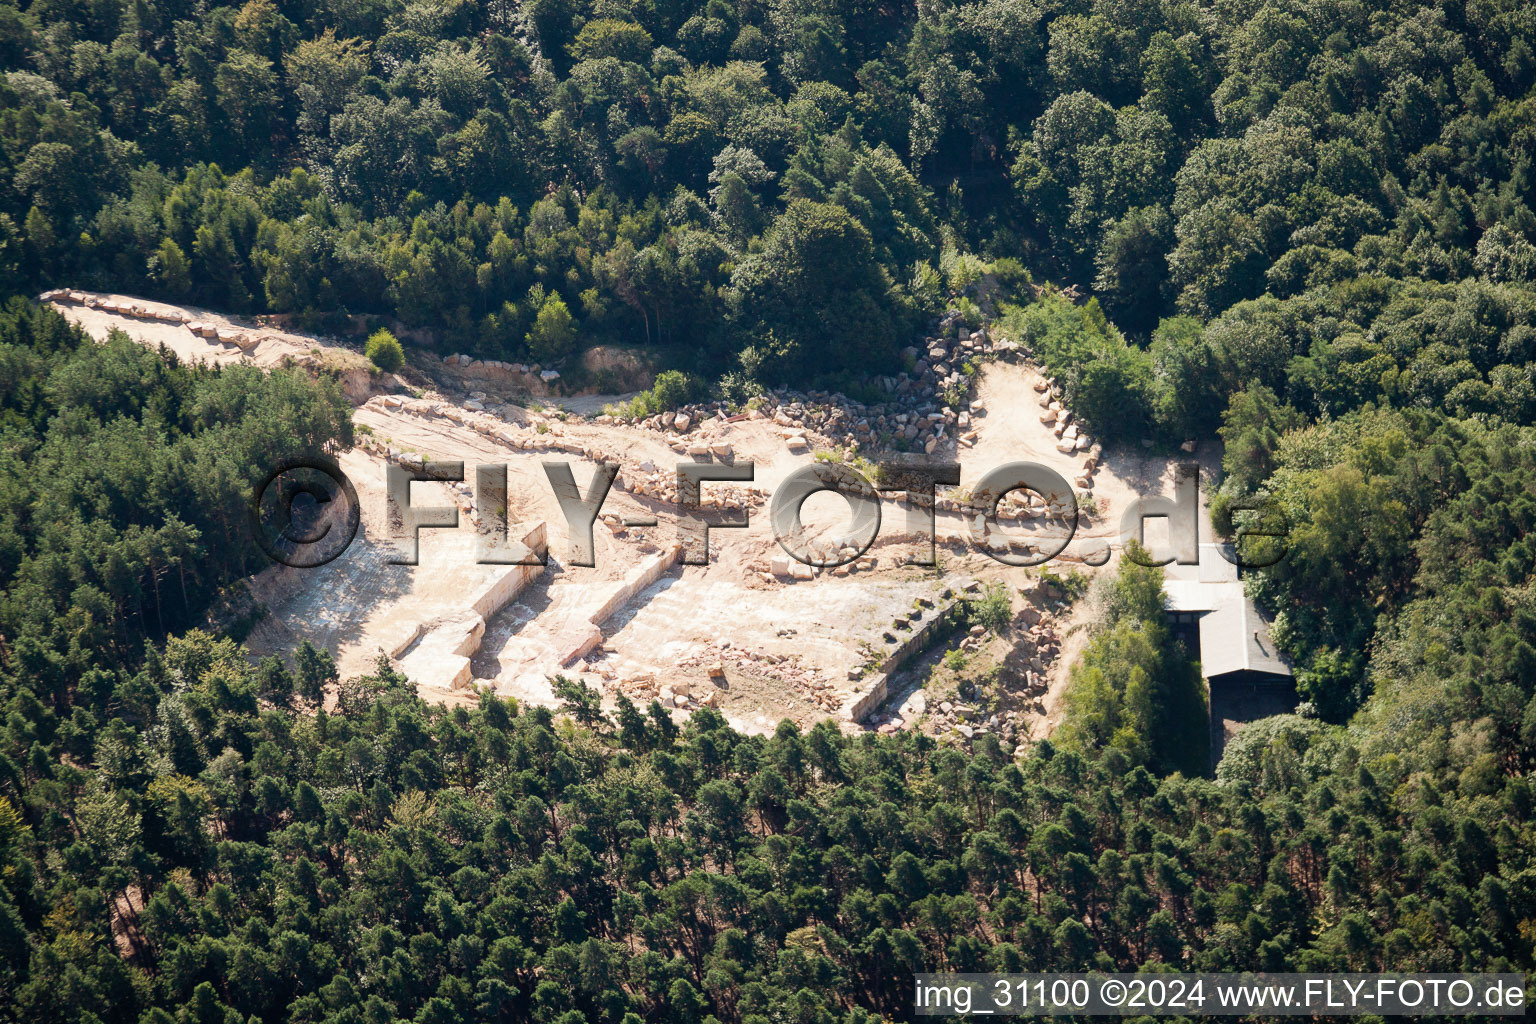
<point>1203,587</point>
<point>1213,566</point>
<point>1234,637</point>
<point>1194,596</point>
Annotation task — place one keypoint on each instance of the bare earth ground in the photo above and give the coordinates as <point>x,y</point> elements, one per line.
<point>272,348</point>
<point>1075,631</point>
<point>786,647</point>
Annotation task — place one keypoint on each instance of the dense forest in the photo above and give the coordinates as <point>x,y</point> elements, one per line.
<point>123,477</point>
<point>188,838</point>
<point>223,851</point>
<point>1304,227</point>
<point>783,188</point>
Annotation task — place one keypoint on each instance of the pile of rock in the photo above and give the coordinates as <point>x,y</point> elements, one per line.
<point>463,493</point>
<point>678,421</point>
<point>1071,437</point>
<point>675,693</point>
<point>647,481</point>
<point>496,369</point>
<point>783,567</point>
<point>1038,648</point>
<point>243,340</point>
<point>143,310</point>
<point>236,337</point>
<point>719,663</point>
<point>967,724</point>
<point>916,417</point>
<point>697,431</point>
<point>475,416</point>
<point>679,693</point>
<point>806,682</point>
<point>1036,644</point>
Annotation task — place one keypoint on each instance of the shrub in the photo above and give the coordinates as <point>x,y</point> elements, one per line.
<point>737,388</point>
<point>993,609</point>
<point>1108,382</point>
<point>553,332</point>
<point>1013,279</point>
<point>970,313</point>
<point>671,389</point>
<point>384,351</point>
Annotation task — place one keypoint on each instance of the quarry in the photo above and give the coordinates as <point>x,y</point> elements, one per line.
<point>742,628</point>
